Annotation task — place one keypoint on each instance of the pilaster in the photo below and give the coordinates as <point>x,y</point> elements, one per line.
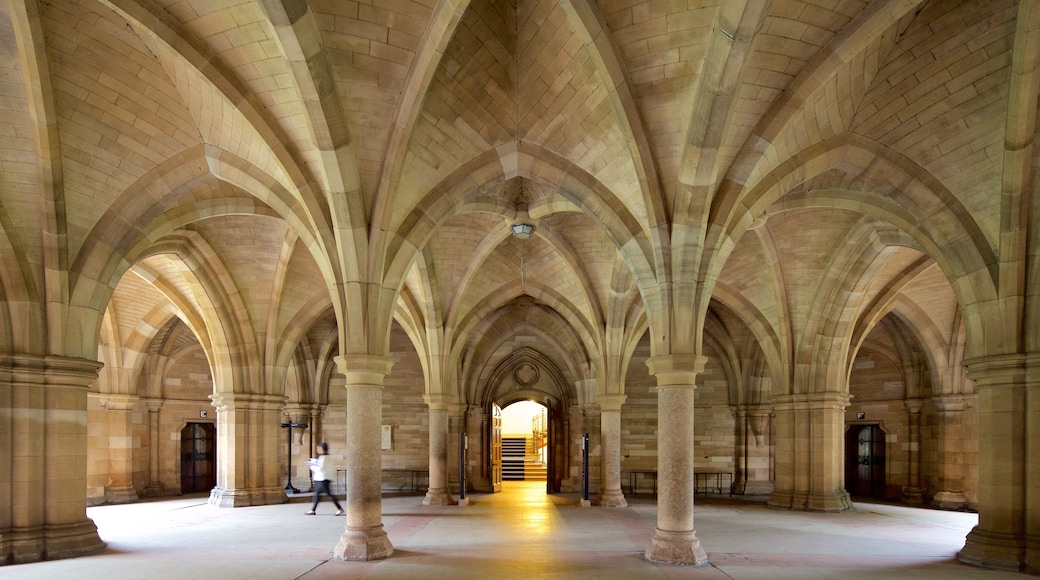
<point>121,446</point>
<point>950,490</point>
<point>912,492</point>
<point>155,487</point>
<point>754,450</point>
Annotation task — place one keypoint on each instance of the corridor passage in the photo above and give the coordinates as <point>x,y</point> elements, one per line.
<point>519,533</point>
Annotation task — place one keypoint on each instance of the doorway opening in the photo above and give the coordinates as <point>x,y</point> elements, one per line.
<point>198,457</point>
<point>865,461</point>
<point>525,442</point>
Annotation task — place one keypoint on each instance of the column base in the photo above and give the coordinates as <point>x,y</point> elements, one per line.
<point>363,544</point>
<point>120,494</point>
<point>1032,562</point>
<point>438,497</point>
<point>781,499</point>
<point>154,489</point>
<point>758,488</point>
<point>996,550</point>
<point>679,548</point>
<point>232,498</point>
<point>834,502</point>
<point>612,498</point>
<point>949,500</point>
<point>50,542</point>
<point>912,496</point>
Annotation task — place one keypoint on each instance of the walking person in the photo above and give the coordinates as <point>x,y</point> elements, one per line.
<point>321,466</point>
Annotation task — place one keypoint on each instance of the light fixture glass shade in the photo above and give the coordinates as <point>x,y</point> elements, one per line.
<point>522,230</point>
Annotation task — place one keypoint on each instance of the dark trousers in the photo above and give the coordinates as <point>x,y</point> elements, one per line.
<point>321,487</point>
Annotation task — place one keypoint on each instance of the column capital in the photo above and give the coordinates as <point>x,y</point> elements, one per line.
<point>364,369</point>
<point>1002,370</point>
<point>223,401</point>
<point>438,401</point>
<point>51,370</point>
<point>950,403</point>
<point>676,370</point>
<point>118,401</point>
<point>611,402</point>
<point>913,405</point>
<point>153,405</point>
<point>825,400</point>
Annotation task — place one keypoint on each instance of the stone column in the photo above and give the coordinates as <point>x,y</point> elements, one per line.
<point>912,493</point>
<point>758,480</point>
<point>43,440</point>
<point>249,437</point>
<point>999,539</point>
<point>610,494</point>
<point>810,452</point>
<point>363,537</point>
<point>950,494</point>
<point>675,541</point>
<point>438,493</point>
<point>155,487</point>
<point>120,487</point>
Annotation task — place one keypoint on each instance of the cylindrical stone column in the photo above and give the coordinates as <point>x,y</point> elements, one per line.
<point>363,537</point>
<point>611,494</point>
<point>675,541</point>
<point>438,493</point>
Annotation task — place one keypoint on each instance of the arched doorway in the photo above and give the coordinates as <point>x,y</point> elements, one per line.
<point>535,450</point>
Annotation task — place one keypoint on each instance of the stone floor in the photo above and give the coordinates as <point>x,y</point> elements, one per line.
<point>519,533</point>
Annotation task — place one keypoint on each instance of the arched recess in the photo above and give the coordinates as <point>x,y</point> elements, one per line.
<point>528,375</point>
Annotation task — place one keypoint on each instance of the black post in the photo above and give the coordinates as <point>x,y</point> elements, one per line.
<point>585,467</point>
<point>288,464</point>
<point>462,467</point>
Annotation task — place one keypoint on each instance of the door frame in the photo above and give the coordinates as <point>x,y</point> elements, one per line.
<point>211,451</point>
<point>874,455</point>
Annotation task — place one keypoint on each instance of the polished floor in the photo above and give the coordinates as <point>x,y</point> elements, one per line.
<point>519,533</point>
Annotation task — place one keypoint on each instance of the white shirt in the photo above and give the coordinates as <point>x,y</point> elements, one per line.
<point>319,468</point>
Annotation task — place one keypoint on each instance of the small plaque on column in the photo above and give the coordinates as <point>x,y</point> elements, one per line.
<point>387,440</point>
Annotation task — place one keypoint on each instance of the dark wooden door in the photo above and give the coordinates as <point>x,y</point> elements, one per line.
<point>198,457</point>
<point>555,449</point>
<point>865,461</point>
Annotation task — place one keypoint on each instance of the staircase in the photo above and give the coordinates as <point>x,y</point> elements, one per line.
<point>519,460</point>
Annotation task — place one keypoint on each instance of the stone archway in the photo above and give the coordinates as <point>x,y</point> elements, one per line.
<point>525,375</point>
